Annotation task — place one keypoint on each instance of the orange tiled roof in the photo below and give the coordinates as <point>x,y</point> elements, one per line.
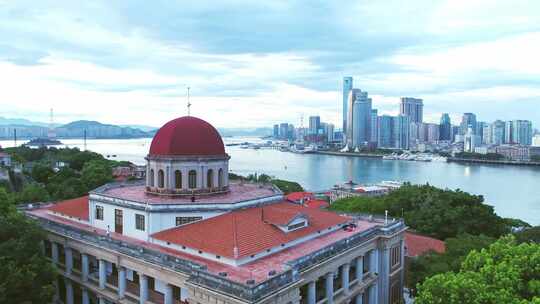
<point>247,231</point>
<point>77,208</point>
<point>315,203</point>
<point>419,244</point>
<point>297,196</point>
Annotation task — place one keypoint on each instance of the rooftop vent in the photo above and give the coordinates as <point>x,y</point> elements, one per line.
<point>272,273</point>
<point>250,282</point>
<point>222,274</point>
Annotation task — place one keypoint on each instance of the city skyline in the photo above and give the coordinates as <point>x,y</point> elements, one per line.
<point>135,63</point>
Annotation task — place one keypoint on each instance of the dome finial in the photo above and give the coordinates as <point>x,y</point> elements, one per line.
<point>188,103</point>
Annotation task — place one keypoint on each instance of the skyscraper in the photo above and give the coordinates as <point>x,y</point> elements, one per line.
<point>374,129</point>
<point>497,132</point>
<point>385,134</point>
<point>329,131</point>
<point>522,132</point>
<point>445,128</point>
<point>314,125</point>
<point>468,120</point>
<point>469,141</point>
<point>347,87</point>
<point>400,126</point>
<point>508,132</point>
<point>283,130</point>
<point>359,119</point>
<point>276,131</point>
<point>412,107</point>
<point>433,134</point>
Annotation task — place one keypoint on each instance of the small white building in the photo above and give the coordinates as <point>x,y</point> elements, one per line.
<point>5,159</point>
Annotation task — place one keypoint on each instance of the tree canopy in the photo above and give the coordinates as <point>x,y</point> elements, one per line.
<point>441,213</point>
<point>505,272</point>
<point>25,274</point>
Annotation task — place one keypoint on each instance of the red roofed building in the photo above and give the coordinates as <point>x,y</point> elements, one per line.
<point>417,244</point>
<point>188,234</point>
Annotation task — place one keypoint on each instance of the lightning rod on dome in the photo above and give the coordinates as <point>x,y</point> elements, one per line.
<point>188,103</point>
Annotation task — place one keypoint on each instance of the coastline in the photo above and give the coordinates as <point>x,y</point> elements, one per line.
<point>494,162</point>
<point>369,155</point>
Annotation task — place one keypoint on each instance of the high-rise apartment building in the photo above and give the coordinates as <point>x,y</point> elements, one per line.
<point>275,132</point>
<point>497,133</point>
<point>314,125</point>
<point>359,122</point>
<point>347,87</point>
<point>522,132</point>
<point>412,107</point>
<point>468,121</point>
<point>385,135</point>
<point>509,132</point>
<point>432,133</point>
<point>374,129</point>
<point>401,126</point>
<point>329,131</point>
<point>445,127</point>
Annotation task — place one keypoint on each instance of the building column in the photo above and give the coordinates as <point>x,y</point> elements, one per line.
<point>360,268</point>
<point>374,261</point>
<point>359,299</point>
<point>54,252</point>
<point>69,291</point>
<point>373,298</point>
<point>345,269</point>
<point>85,267</point>
<point>143,285</point>
<point>329,281</point>
<point>69,260</point>
<point>121,282</point>
<point>312,293</point>
<point>85,297</point>
<point>102,274</point>
<point>168,295</point>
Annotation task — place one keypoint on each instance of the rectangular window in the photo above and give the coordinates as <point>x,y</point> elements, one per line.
<point>296,226</point>
<point>182,220</point>
<point>99,213</point>
<point>395,257</point>
<point>139,222</point>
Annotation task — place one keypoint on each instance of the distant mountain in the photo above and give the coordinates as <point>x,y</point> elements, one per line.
<point>245,131</point>
<point>142,127</point>
<point>22,122</point>
<point>95,129</point>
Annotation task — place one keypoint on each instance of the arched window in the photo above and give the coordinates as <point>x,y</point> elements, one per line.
<point>151,177</point>
<point>161,179</point>
<point>178,179</point>
<point>220,178</point>
<point>192,179</point>
<point>210,178</point>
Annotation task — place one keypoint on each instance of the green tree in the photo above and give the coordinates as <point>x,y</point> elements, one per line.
<point>26,275</point>
<point>433,263</point>
<point>531,234</point>
<point>41,173</point>
<point>503,273</point>
<point>32,193</point>
<point>96,173</point>
<point>287,186</point>
<point>441,213</point>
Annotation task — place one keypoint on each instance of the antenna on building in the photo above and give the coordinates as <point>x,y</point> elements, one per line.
<point>84,139</point>
<point>188,103</point>
<point>385,217</point>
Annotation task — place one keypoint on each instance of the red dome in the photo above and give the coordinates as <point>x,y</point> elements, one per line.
<point>187,135</point>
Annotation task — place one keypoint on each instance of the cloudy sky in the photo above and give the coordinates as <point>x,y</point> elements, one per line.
<point>255,63</point>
